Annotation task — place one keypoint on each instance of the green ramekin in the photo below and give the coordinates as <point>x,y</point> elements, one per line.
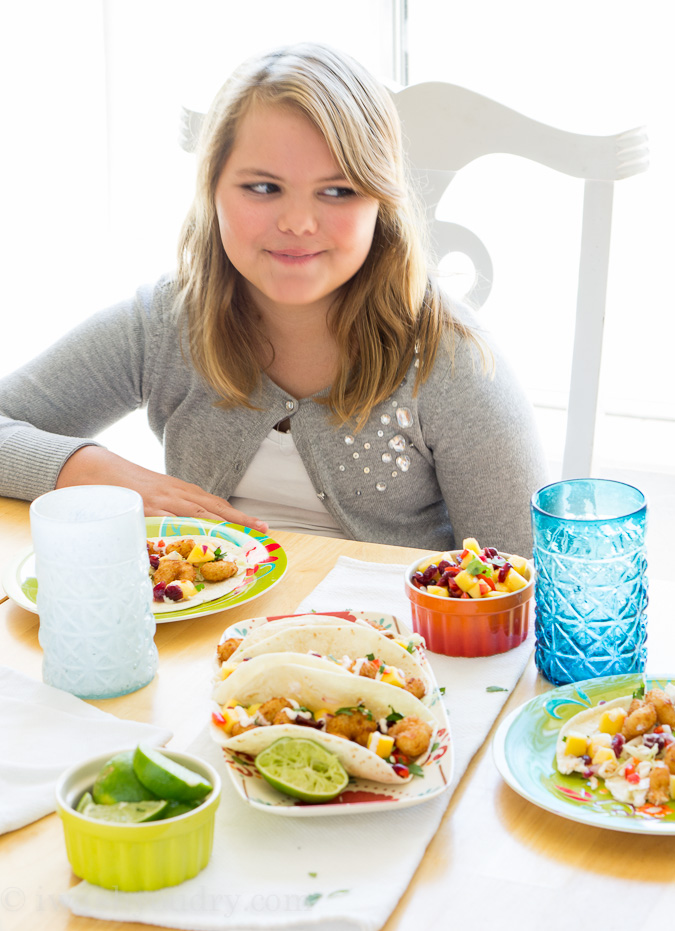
<point>136,857</point>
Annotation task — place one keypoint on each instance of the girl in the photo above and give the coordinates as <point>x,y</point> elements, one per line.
<point>301,367</point>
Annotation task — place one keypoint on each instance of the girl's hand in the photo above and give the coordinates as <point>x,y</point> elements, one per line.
<point>163,495</point>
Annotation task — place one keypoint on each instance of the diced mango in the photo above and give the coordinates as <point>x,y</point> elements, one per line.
<point>251,710</point>
<point>226,671</point>
<point>391,675</point>
<point>321,714</point>
<point>501,588</point>
<point>438,590</point>
<point>514,581</point>
<point>471,544</point>
<point>521,566</point>
<point>494,594</point>
<point>611,721</point>
<point>602,755</point>
<point>200,553</point>
<point>380,744</point>
<point>576,745</point>
<point>464,580</point>
<point>230,717</point>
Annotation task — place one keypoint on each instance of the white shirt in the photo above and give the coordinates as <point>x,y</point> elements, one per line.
<point>277,489</point>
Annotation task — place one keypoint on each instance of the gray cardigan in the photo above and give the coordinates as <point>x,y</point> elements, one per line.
<point>461,458</point>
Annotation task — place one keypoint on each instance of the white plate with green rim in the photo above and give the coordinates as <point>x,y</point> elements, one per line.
<point>524,750</point>
<point>267,560</point>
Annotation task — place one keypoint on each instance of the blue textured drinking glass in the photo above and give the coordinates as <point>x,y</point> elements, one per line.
<point>591,584</point>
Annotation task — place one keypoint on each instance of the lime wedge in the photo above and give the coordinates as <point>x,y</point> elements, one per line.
<point>302,768</point>
<point>117,782</point>
<point>166,778</point>
<point>84,801</point>
<point>126,812</point>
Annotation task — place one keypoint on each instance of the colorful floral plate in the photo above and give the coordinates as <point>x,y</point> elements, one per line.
<point>270,565</point>
<point>361,795</point>
<point>524,752</point>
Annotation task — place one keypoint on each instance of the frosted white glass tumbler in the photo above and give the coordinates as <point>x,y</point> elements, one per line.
<point>94,593</point>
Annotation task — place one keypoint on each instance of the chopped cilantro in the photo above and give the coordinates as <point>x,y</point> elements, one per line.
<point>411,647</point>
<point>218,554</point>
<point>312,874</point>
<point>442,689</point>
<point>370,656</point>
<point>476,566</point>
<point>496,688</point>
<point>639,692</point>
<point>361,709</point>
<point>382,668</point>
<point>312,899</point>
<point>415,769</point>
<point>394,716</point>
<point>199,586</point>
<point>434,746</point>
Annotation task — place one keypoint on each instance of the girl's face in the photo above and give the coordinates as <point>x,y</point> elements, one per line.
<point>289,221</point>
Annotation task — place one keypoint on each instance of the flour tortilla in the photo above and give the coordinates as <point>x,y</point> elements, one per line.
<point>211,590</point>
<point>337,640</point>
<point>264,677</point>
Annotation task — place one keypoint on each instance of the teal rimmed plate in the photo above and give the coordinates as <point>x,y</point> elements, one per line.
<point>524,753</point>
<point>267,557</point>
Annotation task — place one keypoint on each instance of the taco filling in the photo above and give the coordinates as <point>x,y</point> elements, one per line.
<point>629,743</point>
<point>397,739</point>
<point>182,569</point>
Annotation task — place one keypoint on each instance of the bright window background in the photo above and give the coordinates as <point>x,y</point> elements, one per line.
<point>94,185</point>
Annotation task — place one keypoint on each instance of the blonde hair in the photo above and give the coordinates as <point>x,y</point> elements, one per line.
<point>388,309</point>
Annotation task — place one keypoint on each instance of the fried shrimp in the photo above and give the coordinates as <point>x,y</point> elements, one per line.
<point>411,736</point>
<point>184,547</point>
<point>665,710</point>
<point>227,648</point>
<point>415,686</point>
<point>271,708</point>
<point>669,757</point>
<point>659,785</point>
<point>171,570</point>
<point>354,726</point>
<point>368,668</point>
<point>219,570</point>
<point>641,717</point>
<point>238,728</point>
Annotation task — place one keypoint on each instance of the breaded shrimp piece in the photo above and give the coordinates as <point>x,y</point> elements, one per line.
<point>641,717</point>
<point>665,710</point>
<point>415,686</point>
<point>659,785</point>
<point>219,570</point>
<point>184,547</point>
<point>167,571</point>
<point>227,648</point>
<point>368,668</point>
<point>411,736</point>
<point>355,726</point>
<point>186,571</point>
<point>669,757</point>
<point>271,708</point>
<point>238,728</point>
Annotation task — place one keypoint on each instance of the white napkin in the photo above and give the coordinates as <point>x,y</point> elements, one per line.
<point>340,872</point>
<point>43,731</point>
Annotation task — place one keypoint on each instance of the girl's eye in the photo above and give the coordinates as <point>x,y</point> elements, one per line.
<point>339,192</point>
<point>262,187</point>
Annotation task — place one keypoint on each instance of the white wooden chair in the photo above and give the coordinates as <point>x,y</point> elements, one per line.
<point>446,127</point>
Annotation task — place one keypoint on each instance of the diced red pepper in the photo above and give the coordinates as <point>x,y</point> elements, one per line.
<point>633,778</point>
<point>401,770</point>
<point>218,719</point>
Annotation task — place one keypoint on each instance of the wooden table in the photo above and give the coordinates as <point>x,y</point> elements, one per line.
<point>496,860</point>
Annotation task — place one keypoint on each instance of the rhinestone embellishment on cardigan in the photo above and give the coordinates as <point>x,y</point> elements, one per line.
<point>397,447</point>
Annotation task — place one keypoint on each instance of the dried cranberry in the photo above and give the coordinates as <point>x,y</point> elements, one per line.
<point>429,574</point>
<point>173,591</point>
<point>443,581</point>
<point>443,565</point>
<point>617,744</point>
<point>655,740</point>
<point>504,571</point>
<point>158,591</point>
<point>401,770</point>
<point>587,760</point>
<point>490,552</point>
<point>154,561</point>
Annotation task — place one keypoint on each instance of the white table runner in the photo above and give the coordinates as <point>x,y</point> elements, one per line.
<point>339,872</point>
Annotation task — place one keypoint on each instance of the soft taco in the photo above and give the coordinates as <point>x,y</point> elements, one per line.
<point>628,742</point>
<point>356,648</point>
<point>187,571</point>
<point>379,732</point>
